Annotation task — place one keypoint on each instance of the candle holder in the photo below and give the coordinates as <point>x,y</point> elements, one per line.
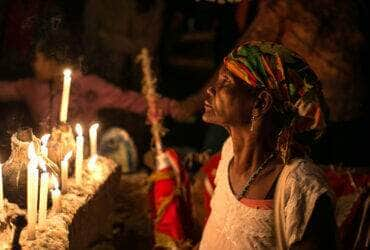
<point>15,168</point>
<point>61,142</point>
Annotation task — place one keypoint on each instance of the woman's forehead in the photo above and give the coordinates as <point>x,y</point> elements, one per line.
<point>225,72</point>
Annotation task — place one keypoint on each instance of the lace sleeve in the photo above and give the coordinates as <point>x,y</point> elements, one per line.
<point>303,187</point>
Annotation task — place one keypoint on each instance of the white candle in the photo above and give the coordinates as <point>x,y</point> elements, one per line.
<point>55,195</point>
<point>79,154</point>
<point>43,200</point>
<point>1,189</point>
<point>32,190</point>
<point>91,164</point>
<point>94,168</point>
<point>65,96</point>
<point>44,145</point>
<point>64,165</point>
<point>93,138</point>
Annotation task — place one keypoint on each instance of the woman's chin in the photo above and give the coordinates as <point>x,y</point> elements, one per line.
<point>205,117</point>
<point>208,118</point>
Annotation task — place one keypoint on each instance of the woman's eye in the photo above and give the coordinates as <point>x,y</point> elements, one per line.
<point>221,84</point>
<point>226,82</point>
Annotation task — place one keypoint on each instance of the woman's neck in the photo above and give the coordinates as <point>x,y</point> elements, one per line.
<point>250,148</point>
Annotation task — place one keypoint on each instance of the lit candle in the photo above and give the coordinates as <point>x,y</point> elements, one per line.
<point>91,164</point>
<point>1,189</point>
<point>94,169</point>
<point>32,190</point>
<point>93,138</point>
<point>43,200</point>
<point>44,145</point>
<point>79,154</point>
<point>65,96</point>
<point>64,170</point>
<point>55,195</point>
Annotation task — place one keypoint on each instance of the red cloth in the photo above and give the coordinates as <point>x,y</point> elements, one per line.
<point>209,169</point>
<point>170,222</point>
<point>172,219</point>
<point>340,182</point>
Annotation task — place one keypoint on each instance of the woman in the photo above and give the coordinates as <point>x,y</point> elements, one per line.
<point>88,94</point>
<point>267,195</point>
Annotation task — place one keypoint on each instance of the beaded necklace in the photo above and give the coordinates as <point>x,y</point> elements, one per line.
<point>253,177</point>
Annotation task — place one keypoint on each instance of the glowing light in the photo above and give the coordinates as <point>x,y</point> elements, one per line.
<point>91,164</point>
<point>79,130</point>
<point>65,95</point>
<point>64,165</point>
<point>55,194</point>
<point>93,133</point>
<point>67,72</point>
<point>79,154</point>
<point>44,143</point>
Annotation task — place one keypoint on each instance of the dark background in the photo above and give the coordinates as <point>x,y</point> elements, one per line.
<point>194,38</point>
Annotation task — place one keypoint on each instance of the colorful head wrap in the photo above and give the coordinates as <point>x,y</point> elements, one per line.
<point>295,88</point>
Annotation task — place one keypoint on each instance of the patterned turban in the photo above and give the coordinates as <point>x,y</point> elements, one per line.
<point>295,88</point>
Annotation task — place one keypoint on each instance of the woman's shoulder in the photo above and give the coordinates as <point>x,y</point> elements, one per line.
<point>301,185</point>
<point>305,179</point>
<point>305,172</point>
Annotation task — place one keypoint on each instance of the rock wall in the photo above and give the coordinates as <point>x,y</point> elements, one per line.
<point>331,37</point>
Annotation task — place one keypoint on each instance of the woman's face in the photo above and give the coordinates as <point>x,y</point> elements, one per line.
<point>229,102</point>
<point>43,67</point>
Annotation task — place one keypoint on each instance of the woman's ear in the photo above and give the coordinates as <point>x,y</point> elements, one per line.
<point>263,103</point>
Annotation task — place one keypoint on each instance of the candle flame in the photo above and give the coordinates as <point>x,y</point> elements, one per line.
<point>31,151</point>
<point>67,72</point>
<point>79,129</point>
<point>91,165</point>
<point>45,139</point>
<point>94,127</point>
<point>68,156</point>
<point>54,181</point>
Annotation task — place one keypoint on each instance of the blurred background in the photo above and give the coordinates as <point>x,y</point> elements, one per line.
<point>187,40</point>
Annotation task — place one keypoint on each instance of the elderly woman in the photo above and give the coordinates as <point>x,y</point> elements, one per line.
<point>268,194</point>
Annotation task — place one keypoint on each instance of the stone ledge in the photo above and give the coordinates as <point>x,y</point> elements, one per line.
<point>85,211</point>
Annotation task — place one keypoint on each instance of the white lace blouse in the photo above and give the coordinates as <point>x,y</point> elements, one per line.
<point>233,225</point>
